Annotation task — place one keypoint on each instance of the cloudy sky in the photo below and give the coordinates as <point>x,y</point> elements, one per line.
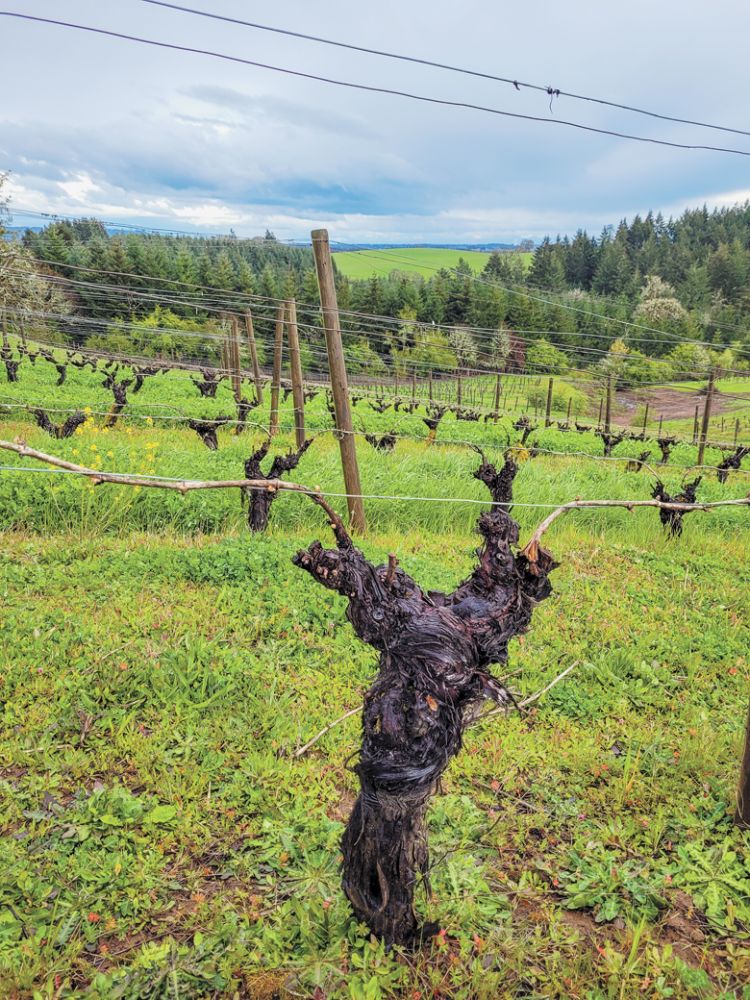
<point>95,125</point>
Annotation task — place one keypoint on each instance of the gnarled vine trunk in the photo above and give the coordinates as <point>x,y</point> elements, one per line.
<point>436,651</point>
<point>207,430</point>
<point>259,501</point>
<point>59,431</point>
<point>733,461</point>
<point>208,385</point>
<point>672,519</point>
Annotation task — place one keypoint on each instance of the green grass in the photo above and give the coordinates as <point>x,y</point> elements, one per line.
<point>424,261</point>
<point>152,827</point>
<point>158,664</point>
<point>739,384</point>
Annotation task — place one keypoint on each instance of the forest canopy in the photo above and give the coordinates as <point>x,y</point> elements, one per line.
<point>678,281</point>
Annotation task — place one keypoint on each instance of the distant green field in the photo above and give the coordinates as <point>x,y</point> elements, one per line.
<point>419,260</point>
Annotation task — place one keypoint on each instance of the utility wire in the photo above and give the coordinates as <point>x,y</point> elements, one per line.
<point>595,504</point>
<point>146,230</point>
<point>518,84</point>
<point>109,291</point>
<point>370,88</point>
<point>319,429</point>
<point>259,299</point>
<point>535,298</point>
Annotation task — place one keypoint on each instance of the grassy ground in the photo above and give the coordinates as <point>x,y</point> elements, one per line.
<point>416,260</point>
<point>158,665</point>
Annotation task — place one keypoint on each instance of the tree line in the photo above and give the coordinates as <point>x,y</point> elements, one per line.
<point>675,280</point>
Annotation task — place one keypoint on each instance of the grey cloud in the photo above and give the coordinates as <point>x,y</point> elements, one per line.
<point>278,109</point>
<point>154,128</point>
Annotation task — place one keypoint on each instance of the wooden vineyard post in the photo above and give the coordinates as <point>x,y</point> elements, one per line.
<point>273,425</point>
<point>608,407</point>
<point>645,419</point>
<point>458,389</point>
<point>742,813</point>
<point>339,385</point>
<point>498,388</point>
<point>254,356</point>
<point>234,357</point>
<point>570,404</point>
<point>223,347</point>
<point>695,425</point>
<point>599,418</point>
<point>661,421</point>
<point>706,417</point>
<point>548,411</point>
<point>429,384</point>
<point>295,364</point>
<point>413,387</point>
<point>736,429</point>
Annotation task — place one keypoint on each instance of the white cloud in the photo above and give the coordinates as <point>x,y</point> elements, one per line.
<point>138,134</point>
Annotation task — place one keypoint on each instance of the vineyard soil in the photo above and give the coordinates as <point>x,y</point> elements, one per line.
<point>160,664</point>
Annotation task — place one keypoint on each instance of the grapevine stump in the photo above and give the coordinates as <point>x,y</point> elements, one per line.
<point>436,651</point>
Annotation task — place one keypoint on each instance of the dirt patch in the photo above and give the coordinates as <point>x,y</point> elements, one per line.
<point>13,773</point>
<point>683,928</point>
<point>583,922</point>
<point>341,810</point>
<point>670,403</point>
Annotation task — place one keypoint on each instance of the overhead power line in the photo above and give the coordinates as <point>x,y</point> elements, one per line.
<point>148,230</point>
<point>370,88</point>
<point>259,300</point>
<point>551,92</point>
<point>477,279</point>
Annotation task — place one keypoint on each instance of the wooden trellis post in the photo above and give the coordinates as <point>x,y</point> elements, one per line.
<point>234,358</point>
<point>706,417</point>
<point>295,364</point>
<point>339,384</point>
<point>254,356</point>
<point>608,407</point>
<point>273,425</point>
<point>548,411</point>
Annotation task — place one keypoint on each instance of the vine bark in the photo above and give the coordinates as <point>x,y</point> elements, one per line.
<point>436,651</point>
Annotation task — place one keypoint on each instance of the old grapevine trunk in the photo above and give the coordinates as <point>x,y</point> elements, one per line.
<point>436,651</point>
<point>259,501</point>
